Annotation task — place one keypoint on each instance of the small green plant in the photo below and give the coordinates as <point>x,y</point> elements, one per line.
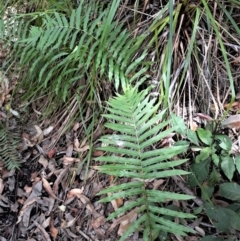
<point>215,157</point>
<point>214,148</point>
<point>132,116</point>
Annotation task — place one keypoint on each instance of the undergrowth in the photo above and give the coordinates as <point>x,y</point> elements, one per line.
<point>72,53</point>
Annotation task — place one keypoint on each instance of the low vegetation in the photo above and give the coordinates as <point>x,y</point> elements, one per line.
<point>141,95</point>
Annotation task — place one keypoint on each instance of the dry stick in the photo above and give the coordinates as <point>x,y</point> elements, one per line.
<point>43,231</point>
<point>84,235</point>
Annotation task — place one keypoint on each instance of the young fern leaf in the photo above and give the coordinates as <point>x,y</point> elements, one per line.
<point>129,154</point>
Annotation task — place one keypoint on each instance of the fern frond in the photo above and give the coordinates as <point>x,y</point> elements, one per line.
<point>9,141</point>
<point>87,40</point>
<point>132,116</point>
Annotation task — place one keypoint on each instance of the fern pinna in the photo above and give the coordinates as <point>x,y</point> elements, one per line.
<point>129,154</point>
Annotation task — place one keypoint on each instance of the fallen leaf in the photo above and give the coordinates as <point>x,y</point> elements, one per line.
<point>76,126</point>
<point>235,104</point>
<point>117,203</point>
<point>232,121</point>
<point>126,220</point>
<point>48,130</point>
<point>39,136</point>
<point>51,153</point>
<point>27,189</point>
<point>1,186</point>
<point>204,116</point>
<point>74,192</point>
<point>42,160</point>
<point>26,205</point>
<point>53,230</point>
<point>59,179</point>
<point>98,153</point>
<point>43,231</point>
<point>97,222</point>
<point>236,60</point>
<point>67,224</point>
<point>48,189</point>
<point>69,150</point>
<point>80,148</point>
<point>88,204</point>
<point>67,160</point>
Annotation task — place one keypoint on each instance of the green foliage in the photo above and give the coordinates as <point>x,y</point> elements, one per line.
<point>132,117</point>
<point>223,219</point>
<point>65,48</point>
<point>215,148</point>
<point>9,141</point>
<point>215,153</point>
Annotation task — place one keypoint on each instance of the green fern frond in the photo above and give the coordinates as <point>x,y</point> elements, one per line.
<point>64,47</point>
<point>137,127</point>
<point>9,141</point>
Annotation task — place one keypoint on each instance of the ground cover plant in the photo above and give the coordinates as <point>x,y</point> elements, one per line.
<point>119,120</point>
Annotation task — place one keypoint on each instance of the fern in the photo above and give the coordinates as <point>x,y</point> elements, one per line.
<point>130,155</point>
<point>9,141</point>
<point>63,48</point>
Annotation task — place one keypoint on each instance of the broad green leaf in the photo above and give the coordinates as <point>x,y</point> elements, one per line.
<point>199,171</point>
<point>204,154</point>
<point>205,136</point>
<point>214,177</point>
<point>228,167</point>
<point>192,136</point>
<point>237,163</point>
<point>230,190</point>
<point>225,142</point>
<point>207,192</point>
<point>216,159</point>
<point>219,217</point>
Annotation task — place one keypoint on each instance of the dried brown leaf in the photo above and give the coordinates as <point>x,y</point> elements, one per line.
<point>48,189</point>
<point>51,153</point>
<point>98,153</point>
<point>43,231</point>
<point>76,126</point>
<point>39,136</point>
<point>69,150</point>
<point>88,204</point>
<point>59,179</point>
<point>42,160</point>
<point>232,121</point>
<point>204,117</point>
<point>68,160</point>
<point>67,224</point>
<point>80,148</point>
<point>97,222</point>
<point>126,219</point>
<point>53,230</point>
<point>74,192</point>
<point>28,202</point>
<point>117,203</point>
